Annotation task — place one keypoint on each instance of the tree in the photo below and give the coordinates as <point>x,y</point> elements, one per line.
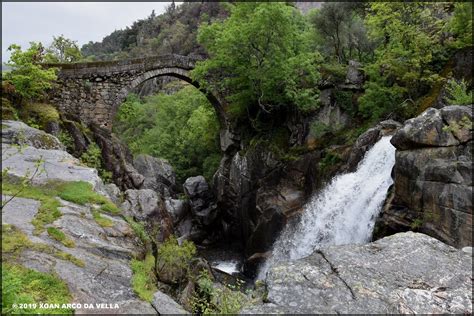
<point>340,30</point>
<point>260,59</point>
<point>410,37</point>
<point>63,50</point>
<point>461,24</point>
<point>30,79</point>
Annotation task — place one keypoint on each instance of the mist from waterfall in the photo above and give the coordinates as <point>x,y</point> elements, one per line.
<point>343,212</point>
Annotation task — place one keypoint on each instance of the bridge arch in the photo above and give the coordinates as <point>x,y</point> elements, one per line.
<point>94,91</point>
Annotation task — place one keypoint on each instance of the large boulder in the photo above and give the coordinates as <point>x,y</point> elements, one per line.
<point>402,274</point>
<point>18,133</point>
<point>159,174</point>
<point>432,191</point>
<point>201,200</point>
<point>165,305</point>
<point>148,207</point>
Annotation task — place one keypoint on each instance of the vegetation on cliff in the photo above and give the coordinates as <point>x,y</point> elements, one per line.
<point>181,128</point>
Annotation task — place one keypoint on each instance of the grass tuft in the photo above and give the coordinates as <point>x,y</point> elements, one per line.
<point>61,237</point>
<point>144,279</point>
<point>26,286</point>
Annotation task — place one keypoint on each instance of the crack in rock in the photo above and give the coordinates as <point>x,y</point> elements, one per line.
<point>336,273</point>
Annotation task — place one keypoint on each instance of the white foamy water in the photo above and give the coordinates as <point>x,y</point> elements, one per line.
<point>344,212</point>
<point>230,267</point>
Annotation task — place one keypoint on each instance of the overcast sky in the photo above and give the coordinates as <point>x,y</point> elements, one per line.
<point>23,22</point>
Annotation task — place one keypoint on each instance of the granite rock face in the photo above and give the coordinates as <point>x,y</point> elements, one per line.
<point>432,191</point>
<point>18,133</point>
<point>159,174</point>
<point>403,273</point>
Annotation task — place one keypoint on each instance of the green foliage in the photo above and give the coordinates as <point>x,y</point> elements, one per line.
<point>329,160</point>
<point>58,235</point>
<point>260,58</point>
<point>344,100</point>
<point>144,279</point>
<point>63,50</point>
<point>340,31</point>
<point>26,286</point>
<point>182,128</point>
<point>14,241</point>
<point>8,111</point>
<point>31,81</point>
<point>210,299</point>
<point>403,69</point>
<point>77,192</point>
<point>66,139</point>
<point>319,129</point>
<point>39,114</point>
<point>139,230</point>
<point>102,221</point>
<point>92,157</point>
<point>81,192</point>
<point>174,258</point>
<point>459,93</point>
<point>461,24</point>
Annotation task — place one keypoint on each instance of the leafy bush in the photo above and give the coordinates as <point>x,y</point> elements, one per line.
<point>30,79</point>
<point>459,93</point>
<point>92,157</point>
<point>39,113</point>
<point>319,129</point>
<point>210,299</point>
<point>26,286</point>
<point>174,259</point>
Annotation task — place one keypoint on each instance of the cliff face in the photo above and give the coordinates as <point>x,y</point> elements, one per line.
<point>432,190</point>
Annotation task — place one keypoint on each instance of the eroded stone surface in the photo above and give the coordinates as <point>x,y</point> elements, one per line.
<point>106,275</point>
<point>403,273</point>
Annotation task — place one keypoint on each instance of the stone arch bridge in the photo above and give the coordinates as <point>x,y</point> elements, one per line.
<point>94,91</point>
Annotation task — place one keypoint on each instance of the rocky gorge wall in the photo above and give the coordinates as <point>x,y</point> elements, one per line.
<point>432,191</point>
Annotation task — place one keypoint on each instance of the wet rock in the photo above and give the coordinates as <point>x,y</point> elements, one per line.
<point>165,305</point>
<point>432,191</point>
<point>403,273</point>
<point>201,200</point>
<point>18,133</point>
<point>365,141</point>
<point>158,173</point>
<point>176,208</point>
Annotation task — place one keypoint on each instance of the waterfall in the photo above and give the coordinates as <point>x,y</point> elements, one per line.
<point>343,212</point>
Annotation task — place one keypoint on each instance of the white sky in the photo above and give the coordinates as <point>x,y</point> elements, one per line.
<point>23,22</point>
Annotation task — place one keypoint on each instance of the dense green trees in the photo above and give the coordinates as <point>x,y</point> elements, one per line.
<point>27,76</point>
<point>260,57</point>
<point>181,128</point>
<point>411,44</point>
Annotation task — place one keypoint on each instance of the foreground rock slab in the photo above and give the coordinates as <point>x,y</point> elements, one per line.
<point>403,273</point>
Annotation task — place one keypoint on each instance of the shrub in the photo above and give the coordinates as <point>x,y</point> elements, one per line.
<point>210,299</point>
<point>92,158</point>
<point>174,259</point>
<point>144,279</point>
<point>39,113</point>
<point>459,93</point>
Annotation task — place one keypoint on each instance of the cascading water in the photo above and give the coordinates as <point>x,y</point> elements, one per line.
<point>343,212</point>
